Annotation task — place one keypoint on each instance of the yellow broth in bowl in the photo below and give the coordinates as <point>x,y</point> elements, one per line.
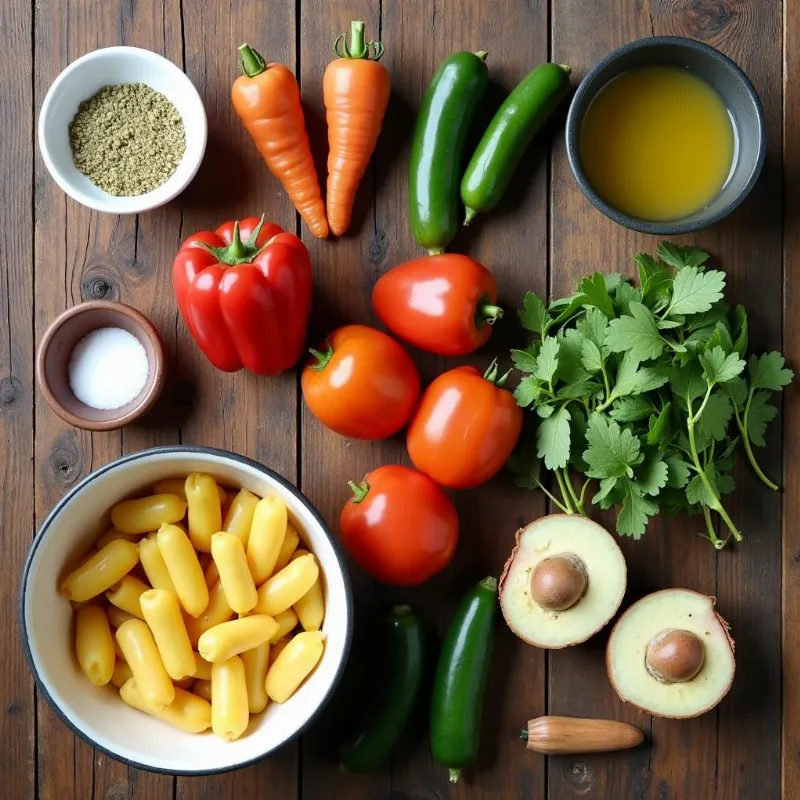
<point>657,143</point>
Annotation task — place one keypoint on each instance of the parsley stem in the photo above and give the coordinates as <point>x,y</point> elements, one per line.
<point>573,495</point>
<point>567,507</point>
<point>712,534</point>
<point>716,504</point>
<point>554,500</point>
<point>695,417</point>
<point>749,450</point>
<point>609,397</point>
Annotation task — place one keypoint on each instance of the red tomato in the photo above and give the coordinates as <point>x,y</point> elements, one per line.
<point>399,525</point>
<point>465,428</point>
<point>363,384</point>
<point>444,303</point>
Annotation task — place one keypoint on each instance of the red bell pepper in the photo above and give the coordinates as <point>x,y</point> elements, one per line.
<point>244,292</point>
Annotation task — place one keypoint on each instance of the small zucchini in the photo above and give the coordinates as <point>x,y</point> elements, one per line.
<point>461,677</point>
<point>514,125</point>
<point>402,656</point>
<point>437,149</point>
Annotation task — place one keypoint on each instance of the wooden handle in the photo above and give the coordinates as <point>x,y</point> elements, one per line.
<point>571,735</point>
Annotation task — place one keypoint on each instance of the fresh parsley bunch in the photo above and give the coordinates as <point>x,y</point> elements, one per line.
<point>645,391</point>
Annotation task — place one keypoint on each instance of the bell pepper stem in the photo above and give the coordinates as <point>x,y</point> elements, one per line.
<point>359,490</point>
<point>253,62</point>
<point>323,359</point>
<point>251,242</point>
<point>237,248</point>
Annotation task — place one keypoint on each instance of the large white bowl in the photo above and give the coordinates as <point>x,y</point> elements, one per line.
<point>85,77</point>
<point>98,714</point>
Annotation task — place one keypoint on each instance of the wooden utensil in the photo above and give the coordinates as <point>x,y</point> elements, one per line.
<point>572,735</point>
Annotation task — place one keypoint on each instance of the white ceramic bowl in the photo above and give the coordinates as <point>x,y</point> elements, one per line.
<point>81,80</point>
<point>98,714</point>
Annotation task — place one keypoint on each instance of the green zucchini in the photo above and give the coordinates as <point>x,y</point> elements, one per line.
<point>461,677</point>
<point>514,125</point>
<point>402,656</point>
<point>437,149</point>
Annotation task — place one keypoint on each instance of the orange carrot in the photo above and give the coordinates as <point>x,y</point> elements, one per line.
<point>267,99</point>
<point>356,91</point>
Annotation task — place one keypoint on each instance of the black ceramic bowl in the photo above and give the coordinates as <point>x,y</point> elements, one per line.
<point>719,72</point>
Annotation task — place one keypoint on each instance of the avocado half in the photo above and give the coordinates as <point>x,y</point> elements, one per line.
<point>671,654</point>
<point>563,582</point>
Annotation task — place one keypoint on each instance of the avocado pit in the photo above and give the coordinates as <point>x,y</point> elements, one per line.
<point>674,656</point>
<point>558,582</point>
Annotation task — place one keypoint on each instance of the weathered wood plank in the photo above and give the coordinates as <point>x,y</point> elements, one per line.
<point>747,247</point>
<point>251,415</point>
<point>81,255</point>
<point>17,699</point>
<point>417,37</point>
<point>790,761</point>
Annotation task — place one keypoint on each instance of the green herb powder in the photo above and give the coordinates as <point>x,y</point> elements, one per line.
<point>127,139</point>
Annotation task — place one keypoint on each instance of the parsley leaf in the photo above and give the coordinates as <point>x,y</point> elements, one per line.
<point>570,348</point>
<point>595,293</point>
<point>626,294</point>
<point>591,357</point>
<point>631,379</point>
<point>606,487</point>
<point>713,422</point>
<point>767,372</point>
<point>697,493</point>
<point>651,474</point>
<point>657,426</point>
<point>636,334</point>
<point>593,327</point>
<point>547,360</point>
<point>719,368</point>
<point>553,439</point>
<point>740,331</point>
<point>680,257</point>
<point>525,360</point>
<point>528,391</point>
<point>612,451</point>
<point>758,415</point>
<point>534,316</point>
<point>632,518</point>
<point>631,409</point>
<point>678,471</point>
<point>694,291</point>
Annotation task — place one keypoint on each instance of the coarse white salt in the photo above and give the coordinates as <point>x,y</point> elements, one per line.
<point>108,369</point>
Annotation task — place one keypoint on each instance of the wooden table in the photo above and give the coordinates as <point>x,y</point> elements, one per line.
<point>55,253</point>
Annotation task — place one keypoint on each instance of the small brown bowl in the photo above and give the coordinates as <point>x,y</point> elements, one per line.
<point>58,342</point>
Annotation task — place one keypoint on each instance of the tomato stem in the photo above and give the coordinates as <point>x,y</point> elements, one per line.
<point>491,372</point>
<point>323,359</point>
<point>359,490</point>
<point>252,62</point>
<point>487,313</point>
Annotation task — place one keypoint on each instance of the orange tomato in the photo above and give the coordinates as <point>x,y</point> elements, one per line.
<point>399,525</point>
<point>465,428</point>
<point>363,384</point>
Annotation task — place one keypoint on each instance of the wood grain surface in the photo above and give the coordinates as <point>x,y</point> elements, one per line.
<point>543,237</point>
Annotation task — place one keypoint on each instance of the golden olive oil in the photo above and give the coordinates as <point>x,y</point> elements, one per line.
<point>657,143</point>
